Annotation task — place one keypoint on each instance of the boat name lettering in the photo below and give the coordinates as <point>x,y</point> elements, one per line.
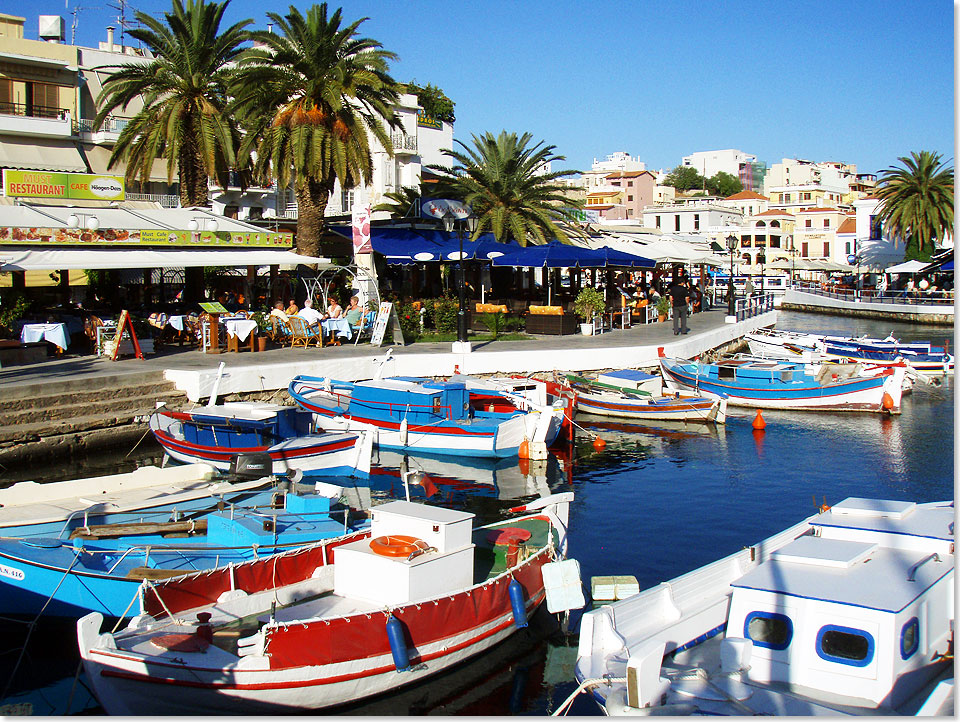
<point>12,573</point>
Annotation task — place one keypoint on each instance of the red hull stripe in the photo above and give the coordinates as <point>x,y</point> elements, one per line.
<point>221,454</point>
<point>379,423</point>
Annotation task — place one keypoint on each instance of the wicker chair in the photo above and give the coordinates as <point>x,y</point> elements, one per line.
<point>303,334</point>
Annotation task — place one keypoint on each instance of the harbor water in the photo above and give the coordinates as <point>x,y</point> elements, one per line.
<point>659,500</point>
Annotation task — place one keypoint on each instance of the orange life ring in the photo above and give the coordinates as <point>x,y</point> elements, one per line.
<point>397,545</point>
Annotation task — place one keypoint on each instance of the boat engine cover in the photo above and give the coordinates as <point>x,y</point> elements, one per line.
<point>247,467</point>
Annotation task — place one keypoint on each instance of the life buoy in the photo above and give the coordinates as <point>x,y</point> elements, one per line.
<point>397,545</point>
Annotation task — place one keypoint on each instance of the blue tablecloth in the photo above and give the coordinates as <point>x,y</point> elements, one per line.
<point>339,325</point>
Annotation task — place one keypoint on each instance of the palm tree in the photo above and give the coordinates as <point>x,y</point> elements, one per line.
<point>503,180</point>
<point>311,98</point>
<point>402,203</point>
<point>184,92</point>
<point>916,203</point>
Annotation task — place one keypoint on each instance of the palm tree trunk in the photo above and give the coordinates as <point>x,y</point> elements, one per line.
<point>193,177</point>
<point>312,199</point>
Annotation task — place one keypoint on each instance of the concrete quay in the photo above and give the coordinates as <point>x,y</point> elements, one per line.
<point>68,406</point>
<point>936,314</point>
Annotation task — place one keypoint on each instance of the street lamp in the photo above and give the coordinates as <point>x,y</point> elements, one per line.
<point>761,259</point>
<point>731,242</point>
<point>449,222</point>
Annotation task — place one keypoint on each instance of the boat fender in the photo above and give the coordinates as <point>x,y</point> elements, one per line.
<point>397,545</point>
<point>403,431</point>
<point>887,401</point>
<point>398,644</point>
<point>516,602</point>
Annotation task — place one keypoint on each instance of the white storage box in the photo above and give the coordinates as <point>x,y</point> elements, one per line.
<point>444,529</point>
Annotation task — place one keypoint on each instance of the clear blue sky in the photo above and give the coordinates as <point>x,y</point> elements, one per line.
<point>860,81</point>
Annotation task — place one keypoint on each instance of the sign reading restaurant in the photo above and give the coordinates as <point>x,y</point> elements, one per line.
<point>62,186</point>
<point>144,237</point>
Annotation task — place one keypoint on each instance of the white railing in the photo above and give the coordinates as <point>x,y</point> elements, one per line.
<point>167,201</point>
<point>403,142</point>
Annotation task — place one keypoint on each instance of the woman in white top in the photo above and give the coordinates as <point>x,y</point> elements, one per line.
<point>334,311</point>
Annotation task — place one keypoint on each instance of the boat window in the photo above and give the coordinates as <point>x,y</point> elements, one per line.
<point>909,638</point>
<point>726,372</point>
<point>845,645</point>
<point>786,376</point>
<point>768,629</point>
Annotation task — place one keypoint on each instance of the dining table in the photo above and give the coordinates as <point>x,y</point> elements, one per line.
<point>238,331</point>
<point>339,325</point>
<point>55,333</point>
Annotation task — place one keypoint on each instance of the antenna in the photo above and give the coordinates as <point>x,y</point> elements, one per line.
<point>75,18</point>
<point>121,7</point>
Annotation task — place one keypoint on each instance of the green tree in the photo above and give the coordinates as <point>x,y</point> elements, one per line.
<point>916,203</point>
<point>724,184</point>
<point>312,97</point>
<point>184,93</point>
<point>684,178</point>
<point>503,179</point>
<point>434,101</point>
<point>403,203</point>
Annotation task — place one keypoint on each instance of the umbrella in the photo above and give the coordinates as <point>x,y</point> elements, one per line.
<point>913,266</point>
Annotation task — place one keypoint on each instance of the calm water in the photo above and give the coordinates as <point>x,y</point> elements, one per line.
<point>656,502</point>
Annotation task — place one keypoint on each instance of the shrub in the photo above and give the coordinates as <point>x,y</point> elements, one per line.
<point>442,313</point>
<point>495,322</point>
<point>589,302</point>
<point>409,321</point>
<point>12,310</point>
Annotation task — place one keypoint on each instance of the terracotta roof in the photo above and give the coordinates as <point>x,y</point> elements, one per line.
<point>775,212</point>
<point>604,193</point>
<point>818,210</point>
<point>747,195</point>
<point>593,207</point>
<point>849,225</point>
<point>628,174</point>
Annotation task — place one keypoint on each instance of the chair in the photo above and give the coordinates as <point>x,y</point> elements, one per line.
<point>364,327</point>
<point>303,335</point>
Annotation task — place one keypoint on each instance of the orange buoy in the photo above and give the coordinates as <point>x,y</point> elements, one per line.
<point>525,466</point>
<point>524,451</point>
<point>887,401</point>
<point>397,545</point>
<point>758,422</point>
<point>599,444</point>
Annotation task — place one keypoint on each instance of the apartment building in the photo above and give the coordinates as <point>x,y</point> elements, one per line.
<point>619,162</point>
<point>815,233</point>
<point>710,162</point>
<point>768,233</point>
<point>749,203</point>
<point>697,216</point>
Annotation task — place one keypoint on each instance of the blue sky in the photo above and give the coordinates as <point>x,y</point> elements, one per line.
<point>852,80</point>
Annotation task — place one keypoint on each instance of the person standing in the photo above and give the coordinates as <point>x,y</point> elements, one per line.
<point>679,293</point>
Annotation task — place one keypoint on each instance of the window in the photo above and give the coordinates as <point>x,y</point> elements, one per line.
<point>761,224</point>
<point>629,212</point>
<point>629,199</point>
<point>845,645</point>
<point>826,250</point>
<point>774,224</point>
<point>804,249</point>
<point>875,229</point>
<point>909,638</point>
<point>848,248</point>
<point>676,222</point>
<point>774,241</point>
<point>657,219</point>
<point>785,197</point>
<point>806,196</point>
<point>696,221</point>
<point>808,223</point>
<point>768,629</point>
<point>826,222</point>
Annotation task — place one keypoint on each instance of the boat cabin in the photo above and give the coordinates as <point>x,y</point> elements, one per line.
<point>418,400</point>
<point>243,425</point>
<point>855,612</point>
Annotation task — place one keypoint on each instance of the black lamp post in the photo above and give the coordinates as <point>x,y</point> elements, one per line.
<point>449,221</point>
<point>731,242</point>
<point>762,259</point>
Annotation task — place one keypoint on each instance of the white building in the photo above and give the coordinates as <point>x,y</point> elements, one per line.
<point>832,176</point>
<point>710,162</point>
<point>596,177</point>
<point>692,217</point>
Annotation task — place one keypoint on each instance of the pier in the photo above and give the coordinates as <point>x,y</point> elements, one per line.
<point>935,310</point>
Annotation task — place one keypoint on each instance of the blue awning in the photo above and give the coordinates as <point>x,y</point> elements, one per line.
<point>405,245</point>
<point>560,255</point>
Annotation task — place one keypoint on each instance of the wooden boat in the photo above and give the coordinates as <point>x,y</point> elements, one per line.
<point>624,402</point>
<point>100,567</point>
<point>45,509</point>
<point>337,621</point>
<point>421,415</point>
<point>787,385</point>
<point>850,611</point>
<point>216,434</point>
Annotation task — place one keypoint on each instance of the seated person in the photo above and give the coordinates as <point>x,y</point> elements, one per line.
<point>292,308</point>
<point>333,308</point>
<point>278,311</point>
<point>309,314</point>
<point>354,313</point>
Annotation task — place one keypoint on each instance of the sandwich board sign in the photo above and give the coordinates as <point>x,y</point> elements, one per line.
<point>385,316</point>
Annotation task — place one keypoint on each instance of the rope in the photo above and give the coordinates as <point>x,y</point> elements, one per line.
<point>561,710</point>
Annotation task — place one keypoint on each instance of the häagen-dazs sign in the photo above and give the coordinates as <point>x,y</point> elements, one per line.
<point>65,186</point>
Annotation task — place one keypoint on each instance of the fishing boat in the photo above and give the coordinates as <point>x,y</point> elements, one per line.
<point>421,415</point>
<point>100,567</point>
<point>924,358</point>
<point>338,621</point>
<point>787,385</point>
<point>216,434</point>
<point>624,402</point>
<point>850,611</point>
<point>787,345</point>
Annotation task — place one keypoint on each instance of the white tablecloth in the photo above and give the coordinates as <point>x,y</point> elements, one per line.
<point>339,325</point>
<point>55,333</point>
<point>241,329</point>
<point>176,322</point>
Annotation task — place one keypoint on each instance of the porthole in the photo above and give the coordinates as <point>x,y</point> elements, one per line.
<point>909,638</point>
<point>845,645</point>
<point>768,629</point>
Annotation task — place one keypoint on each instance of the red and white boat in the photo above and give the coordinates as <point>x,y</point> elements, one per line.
<point>337,621</point>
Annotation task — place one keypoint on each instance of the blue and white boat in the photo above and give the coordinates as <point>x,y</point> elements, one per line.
<point>922,357</point>
<point>777,384</point>
<point>100,567</point>
<point>421,415</point>
<point>851,611</point>
<point>216,434</point>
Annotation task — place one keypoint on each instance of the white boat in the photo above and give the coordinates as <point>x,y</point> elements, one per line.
<point>338,621</point>
<point>788,345</point>
<point>851,611</point>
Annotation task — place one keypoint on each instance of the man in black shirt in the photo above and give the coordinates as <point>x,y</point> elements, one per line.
<point>679,293</point>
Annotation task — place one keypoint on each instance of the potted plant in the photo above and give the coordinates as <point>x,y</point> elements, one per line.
<point>663,308</point>
<point>589,302</point>
<point>263,324</point>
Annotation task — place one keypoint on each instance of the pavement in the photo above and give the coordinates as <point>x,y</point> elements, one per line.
<point>192,370</point>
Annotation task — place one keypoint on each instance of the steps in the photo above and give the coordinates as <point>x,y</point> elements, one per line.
<point>40,421</point>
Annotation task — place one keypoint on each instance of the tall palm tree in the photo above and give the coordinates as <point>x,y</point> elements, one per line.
<point>184,92</point>
<point>402,203</point>
<point>311,97</point>
<point>916,202</point>
<point>503,179</point>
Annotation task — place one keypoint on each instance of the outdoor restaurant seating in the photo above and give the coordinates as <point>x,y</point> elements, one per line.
<point>550,320</point>
<point>475,318</point>
<point>302,334</point>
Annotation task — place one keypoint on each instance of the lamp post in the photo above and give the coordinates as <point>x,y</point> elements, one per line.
<point>731,242</point>
<point>854,258</point>
<point>449,222</point>
<point>762,259</point>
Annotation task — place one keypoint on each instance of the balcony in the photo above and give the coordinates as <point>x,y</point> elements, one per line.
<point>107,135</point>
<point>403,144</point>
<point>39,121</point>
<point>167,201</point>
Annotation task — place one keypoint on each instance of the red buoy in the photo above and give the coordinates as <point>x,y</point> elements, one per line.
<point>524,451</point>
<point>758,423</point>
<point>599,444</point>
<point>887,401</point>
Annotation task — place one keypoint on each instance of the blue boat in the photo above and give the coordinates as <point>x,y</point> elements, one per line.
<point>773,384</point>
<point>101,567</point>
<point>922,357</point>
<point>422,415</point>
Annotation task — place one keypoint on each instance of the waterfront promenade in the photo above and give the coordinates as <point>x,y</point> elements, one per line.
<point>194,372</point>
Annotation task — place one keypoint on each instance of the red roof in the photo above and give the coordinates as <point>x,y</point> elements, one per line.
<point>849,225</point>
<point>774,212</point>
<point>747,195</point>
<point>628,174</point>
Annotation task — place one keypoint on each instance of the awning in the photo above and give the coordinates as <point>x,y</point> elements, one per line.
<point>419,245</point>
<point>560,255</point>
<point>913,266</point>
<point>41,154</point>
<point>98,157</point>
<point>85,258</point>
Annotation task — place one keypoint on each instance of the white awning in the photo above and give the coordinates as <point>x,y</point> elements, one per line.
<point>41,154</point>
<point>85,258</point>
<point>912,266</point>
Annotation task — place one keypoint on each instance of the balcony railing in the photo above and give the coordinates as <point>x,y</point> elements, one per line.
<point>167,201</point>
<point>403,143</point>
<point>34,111</point>
<point>111,124</point>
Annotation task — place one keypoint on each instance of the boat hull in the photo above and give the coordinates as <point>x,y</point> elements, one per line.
<point>663,408</point>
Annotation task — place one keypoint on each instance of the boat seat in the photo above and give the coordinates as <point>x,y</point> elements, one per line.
<point>151,574</point>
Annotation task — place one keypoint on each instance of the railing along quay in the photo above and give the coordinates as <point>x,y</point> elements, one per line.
<point>868,295</point>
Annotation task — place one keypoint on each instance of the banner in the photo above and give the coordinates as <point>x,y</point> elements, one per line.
<point>361,229</point>
<point>439,207</point>
<point>145,237</point>
<point>62,186</point>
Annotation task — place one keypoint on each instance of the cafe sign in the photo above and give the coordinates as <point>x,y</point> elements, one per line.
<point>154,237</point>
<point>62,186</point>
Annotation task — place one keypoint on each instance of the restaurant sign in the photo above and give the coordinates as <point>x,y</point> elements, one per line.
<point>145,237</point>
<point>62,186</point>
